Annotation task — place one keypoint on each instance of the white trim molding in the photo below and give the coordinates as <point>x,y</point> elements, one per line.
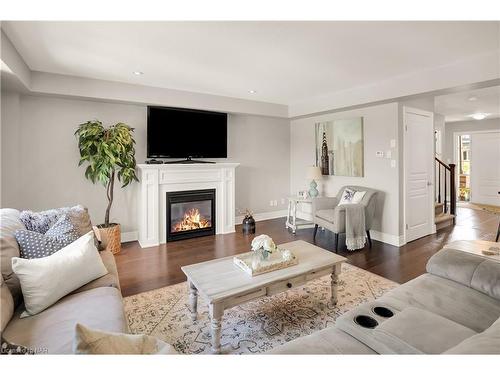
<point>390,239</point>
<point>261,216</point>
<point>129,236</point>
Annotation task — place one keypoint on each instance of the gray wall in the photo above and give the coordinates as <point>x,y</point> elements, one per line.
<point>40,156</point>
<point>465,126</point>
<point>380,126</point>
<point>9,135</point>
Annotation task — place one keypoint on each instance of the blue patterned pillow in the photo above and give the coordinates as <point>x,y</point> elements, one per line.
<point>37,245</point>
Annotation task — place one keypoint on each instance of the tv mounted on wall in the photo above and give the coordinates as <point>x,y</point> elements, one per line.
<point>186,133</point>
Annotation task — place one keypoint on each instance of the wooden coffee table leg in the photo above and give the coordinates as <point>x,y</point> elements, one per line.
<point>216,312</point>
<point>193,301</point>
<point>334,283</point>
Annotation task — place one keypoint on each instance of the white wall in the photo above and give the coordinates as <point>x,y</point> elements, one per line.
<point>465,126</point>
<point>40,156</point>
<point>439,124</point>
<point>380,126</point>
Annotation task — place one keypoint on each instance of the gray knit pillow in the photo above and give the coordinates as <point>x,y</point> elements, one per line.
<point>42,221</point>
<point>37,245</point>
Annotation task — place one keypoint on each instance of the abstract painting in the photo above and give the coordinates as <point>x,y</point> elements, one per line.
<point>339,147</point>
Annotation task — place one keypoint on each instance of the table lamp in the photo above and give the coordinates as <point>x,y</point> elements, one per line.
<point>313,173</point>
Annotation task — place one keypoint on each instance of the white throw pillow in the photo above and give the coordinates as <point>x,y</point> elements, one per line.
<point>93,341</point>
<point>358,196</point>
<point>46,280</point>
<point>350,196</point>
<point>347,196</point>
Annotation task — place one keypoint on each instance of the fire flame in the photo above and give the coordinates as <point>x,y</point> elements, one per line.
<point>192,220</point>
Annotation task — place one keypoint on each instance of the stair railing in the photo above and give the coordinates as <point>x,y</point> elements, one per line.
<point>448,180</point>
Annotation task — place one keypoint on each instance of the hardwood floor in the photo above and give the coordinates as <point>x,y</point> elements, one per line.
<point>150,268</point>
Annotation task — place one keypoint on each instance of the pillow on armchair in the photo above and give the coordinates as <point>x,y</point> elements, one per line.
<point>350,196</point>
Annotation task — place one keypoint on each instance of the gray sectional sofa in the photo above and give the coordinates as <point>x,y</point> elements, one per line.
<point>452,309</point>
<point>97,305</point>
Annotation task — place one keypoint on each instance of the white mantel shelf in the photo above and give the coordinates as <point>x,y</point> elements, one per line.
<point>158,179</point>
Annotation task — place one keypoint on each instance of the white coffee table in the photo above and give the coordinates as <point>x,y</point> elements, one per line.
<point>225,285</point>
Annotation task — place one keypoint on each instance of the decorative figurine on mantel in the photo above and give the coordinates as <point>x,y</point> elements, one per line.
<point>313,174</point>
<point>248,224</point>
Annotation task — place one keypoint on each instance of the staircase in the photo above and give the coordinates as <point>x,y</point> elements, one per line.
<point>445,205</point>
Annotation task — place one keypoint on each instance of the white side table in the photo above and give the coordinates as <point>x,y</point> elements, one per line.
<point>291,219</point>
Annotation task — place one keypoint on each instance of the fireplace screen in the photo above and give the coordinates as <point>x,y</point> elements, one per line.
<point>190,214</point>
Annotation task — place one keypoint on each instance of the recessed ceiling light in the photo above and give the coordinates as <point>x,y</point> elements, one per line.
<point>138,73</point>
<point>252,92</point>
<point>479,116</point>
<point>472,98</point>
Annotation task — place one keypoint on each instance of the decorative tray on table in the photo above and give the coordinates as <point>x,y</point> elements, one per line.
<point>252,264</point>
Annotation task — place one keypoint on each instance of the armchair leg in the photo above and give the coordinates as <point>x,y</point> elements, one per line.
<point>336,242</point>
<point>315,231</point>
<point>369,238</point>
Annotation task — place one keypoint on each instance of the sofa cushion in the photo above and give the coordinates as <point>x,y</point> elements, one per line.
<point>486,279</point>
<point>471,270</point>
<point>327,341</point>
<point>417,331</point>
<point>38,245</point>
<point>110,279</point>
<point>9,223</point>
<point>45,280</point>
<point>95,341</point>
<point>452,300</point>
<point>6,305</point>
<point>52,331</point>
<point>487,342</point>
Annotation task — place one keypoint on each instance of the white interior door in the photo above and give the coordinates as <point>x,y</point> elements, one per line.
<point>485,168</point>
<point>419,169</point>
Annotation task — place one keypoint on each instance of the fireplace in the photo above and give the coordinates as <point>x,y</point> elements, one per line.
<point>190,214</point>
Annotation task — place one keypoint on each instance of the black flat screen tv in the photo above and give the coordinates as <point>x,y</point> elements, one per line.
<point>186,133</point>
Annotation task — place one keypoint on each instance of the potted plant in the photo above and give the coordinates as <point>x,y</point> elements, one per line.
<point>109,153</point>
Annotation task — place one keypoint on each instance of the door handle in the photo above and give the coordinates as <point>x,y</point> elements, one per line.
<point>429,183</point>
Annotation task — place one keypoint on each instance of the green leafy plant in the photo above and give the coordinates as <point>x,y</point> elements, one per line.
<point>109,152</point>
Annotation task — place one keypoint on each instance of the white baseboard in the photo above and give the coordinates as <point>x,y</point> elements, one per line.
<point>264,216</point>
<point>390,239</point>
<point>129,236</point>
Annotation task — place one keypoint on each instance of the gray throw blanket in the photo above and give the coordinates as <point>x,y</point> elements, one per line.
<point>355,226</point>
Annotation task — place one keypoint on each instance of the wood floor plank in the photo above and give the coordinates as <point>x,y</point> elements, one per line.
<point>150,268</point>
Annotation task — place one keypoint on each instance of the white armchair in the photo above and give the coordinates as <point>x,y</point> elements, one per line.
<point>329,215</point>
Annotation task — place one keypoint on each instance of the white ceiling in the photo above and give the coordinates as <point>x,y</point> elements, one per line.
<point>459,107</point>
<point>284,62</point>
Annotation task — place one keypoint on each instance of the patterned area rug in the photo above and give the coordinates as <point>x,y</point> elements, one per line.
<point>257,326</point>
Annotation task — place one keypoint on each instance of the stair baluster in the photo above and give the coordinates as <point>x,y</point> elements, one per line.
<point>448,176</point>
<point>439,183</point>
<point>445,193</point>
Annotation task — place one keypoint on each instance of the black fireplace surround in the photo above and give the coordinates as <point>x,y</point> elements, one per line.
<point>190,214</point>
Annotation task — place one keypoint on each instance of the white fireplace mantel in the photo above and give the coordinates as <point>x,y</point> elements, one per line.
<point>158,179</point>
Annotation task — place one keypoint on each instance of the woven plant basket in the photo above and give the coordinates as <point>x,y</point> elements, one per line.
<point>111,237</point>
